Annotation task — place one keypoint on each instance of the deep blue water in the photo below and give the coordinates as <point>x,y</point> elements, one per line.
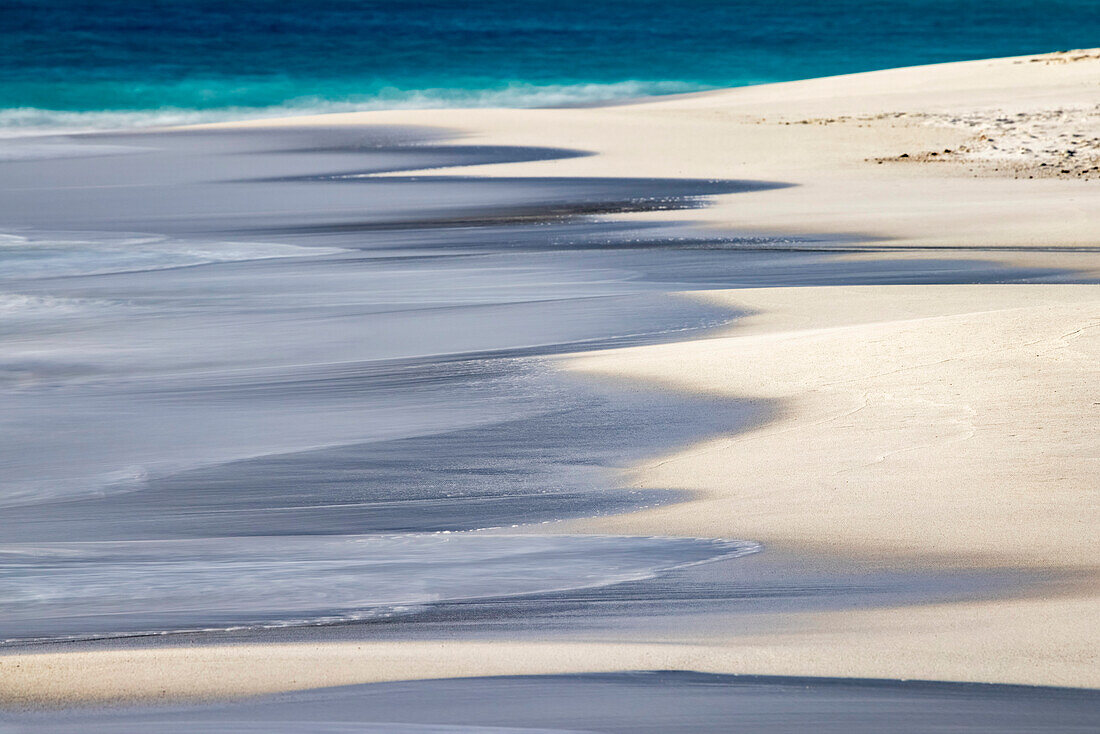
<point>174,60</point>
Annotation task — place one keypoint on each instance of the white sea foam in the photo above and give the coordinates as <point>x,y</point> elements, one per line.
<point>21,306</point>
<point>21,121</point>
<point>45,256</point>
<point>130,587</point>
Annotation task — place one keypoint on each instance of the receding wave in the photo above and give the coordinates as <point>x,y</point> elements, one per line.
<point>67,255</point>
<point>21,306</point>
<point>34,120</point>
<point>145,587</point>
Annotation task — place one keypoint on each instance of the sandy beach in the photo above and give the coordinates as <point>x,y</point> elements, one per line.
<point>933,426</point>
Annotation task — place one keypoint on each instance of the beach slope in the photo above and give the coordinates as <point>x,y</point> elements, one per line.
<point>947,426</point>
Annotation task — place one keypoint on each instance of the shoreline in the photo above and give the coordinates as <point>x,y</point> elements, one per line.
<point>839,140</point>
<point>825,137</point>
<point>856,358</point>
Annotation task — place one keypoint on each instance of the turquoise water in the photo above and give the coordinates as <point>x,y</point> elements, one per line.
<point>116,62</point>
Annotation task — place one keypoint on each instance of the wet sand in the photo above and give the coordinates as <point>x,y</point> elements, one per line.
<point>643,702</point>
<point>225,418</point>
<point>934,427</point>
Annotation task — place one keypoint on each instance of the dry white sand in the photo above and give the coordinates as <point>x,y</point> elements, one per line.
<point>957,423</point>
<point>944,425</point>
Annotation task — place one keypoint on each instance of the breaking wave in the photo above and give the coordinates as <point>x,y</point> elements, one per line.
<point>19,121</point>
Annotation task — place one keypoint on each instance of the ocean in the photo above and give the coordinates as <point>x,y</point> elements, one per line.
<point>115,63</point>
